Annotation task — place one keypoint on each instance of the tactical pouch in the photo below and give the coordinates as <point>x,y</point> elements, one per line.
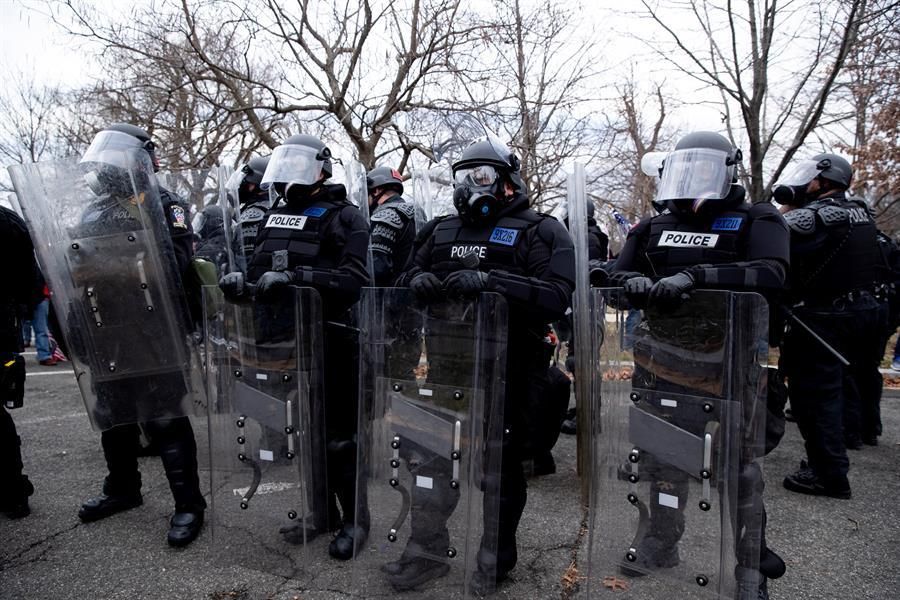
<point>12,379</point>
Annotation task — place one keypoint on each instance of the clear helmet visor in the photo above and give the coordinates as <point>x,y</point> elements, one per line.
<point>234,180</point>
<point>800,173</point>
<point>695,174</point>
<point>112,148</point>
<point>293,164</point>
<point>477,176</point>
<point>652,162</point>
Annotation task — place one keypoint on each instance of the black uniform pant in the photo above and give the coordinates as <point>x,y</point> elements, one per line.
<point>821,387</point>
<point>178,450</point>
<point>11,478</point>
<point>340,414</point>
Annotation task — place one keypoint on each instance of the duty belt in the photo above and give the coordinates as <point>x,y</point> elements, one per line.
<point>842,301</point>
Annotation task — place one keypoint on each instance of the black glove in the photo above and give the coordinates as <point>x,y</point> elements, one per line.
<point>272,281</point>
<point>668,292</point>
<point>597,273</point>
<point>618,278</point>
<point>637,290</point>
<point>232,285</point>
<point>427,287</point>
<point>466,282</point>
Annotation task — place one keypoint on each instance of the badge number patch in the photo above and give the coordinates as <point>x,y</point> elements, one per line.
<point>286,221</point>
<point>727,224</point>
<point>502,235</point>
<point>686,239</point>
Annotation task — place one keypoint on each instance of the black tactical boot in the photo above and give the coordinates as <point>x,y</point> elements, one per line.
<point>570,424</point>
<point>16,506</point>
<point>184,527</point>
<point>805,481</point>
<point>348,541</point>
<point>413,572</point>
<point>105,505</point>
<point>651,554</point>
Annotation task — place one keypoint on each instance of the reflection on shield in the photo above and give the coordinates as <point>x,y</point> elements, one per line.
<point>430,440</point>
<point>266,428</point>
<point>673,506</point>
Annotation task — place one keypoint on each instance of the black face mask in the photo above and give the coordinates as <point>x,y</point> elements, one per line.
<point>297,192</point>
<point>478,204</point>
<point>794,195</point>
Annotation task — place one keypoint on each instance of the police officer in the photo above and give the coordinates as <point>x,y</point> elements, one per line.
<point>325,248</point>
<point>20,288</point>
<point>174,437</point>
<point>835,260</point>
<point>393,224</point>
<point>528,258</point>
<point>661,262</point>
<point>254,200</point>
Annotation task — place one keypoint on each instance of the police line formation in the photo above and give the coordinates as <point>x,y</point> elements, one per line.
<point>373,380</point>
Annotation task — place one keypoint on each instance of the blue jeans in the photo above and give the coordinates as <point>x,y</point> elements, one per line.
<point>41,331</point>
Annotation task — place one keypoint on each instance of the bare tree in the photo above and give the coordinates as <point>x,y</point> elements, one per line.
<point>29,120</point>
<point>535,87</point>
<point>872,89</point>
<point>150,78</point>
<point>774,63</point>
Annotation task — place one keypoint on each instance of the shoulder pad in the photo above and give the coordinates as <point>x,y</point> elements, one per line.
<point>833,215</point>
<point>252,214</point>
<point>801,220</point>
<point>390,216</point>
<point>406,208</point>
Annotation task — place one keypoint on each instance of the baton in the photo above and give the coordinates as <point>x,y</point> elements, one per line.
<point>816,336</point>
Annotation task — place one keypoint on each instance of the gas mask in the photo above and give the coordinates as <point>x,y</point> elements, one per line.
<point>478,193</point>
<point>794,195</point>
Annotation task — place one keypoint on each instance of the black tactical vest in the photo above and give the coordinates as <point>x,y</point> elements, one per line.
<point>496,245</point>
<point>847,259</point>
<point>677,243</point>
<point>297,230</point>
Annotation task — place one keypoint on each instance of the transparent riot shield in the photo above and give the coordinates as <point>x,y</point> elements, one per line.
<point>107,253</point>
<point>266,429</point>
<point>358,194</point>
<point>197,187</point>
<point>675,508</point>
<point>584,342</point>
<point>432,193</point>
<point>430,434</point>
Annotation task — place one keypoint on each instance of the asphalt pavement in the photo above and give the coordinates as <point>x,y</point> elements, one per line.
<point>834,549</point>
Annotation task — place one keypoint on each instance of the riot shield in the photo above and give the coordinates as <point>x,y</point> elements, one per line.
<point>266,428</point>
<point>432,193</point>
<point>106,251</point>
<point>583,317</point>
<point>675,508</point>
<point>358,194</point>
<point>430,434</point>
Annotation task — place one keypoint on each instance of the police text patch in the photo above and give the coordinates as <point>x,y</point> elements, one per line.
<point>460,250</point>
<point>502,235</point>
<point>727,224</point>
<point>286,221</point>
<point>687,239</point>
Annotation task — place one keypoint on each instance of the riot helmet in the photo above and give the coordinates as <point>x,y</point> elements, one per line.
<point>701,168</point>
<point>298,166</point>
<point>792,187</point>
<point>109,157</point>
<point>384,179</point>
<point>248,179</point>
<point>479,178</point>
